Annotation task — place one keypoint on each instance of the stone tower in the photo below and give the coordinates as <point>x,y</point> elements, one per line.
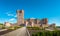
<point>20,17</point>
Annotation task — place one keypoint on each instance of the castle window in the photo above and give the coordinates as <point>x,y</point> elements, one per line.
<point>20,11</point>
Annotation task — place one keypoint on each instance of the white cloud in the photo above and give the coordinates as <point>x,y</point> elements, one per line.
<point>55,20</point>
<point>12,19</point>
<point>9,14</point>
<point>32,18</point>
<point>15,16</point>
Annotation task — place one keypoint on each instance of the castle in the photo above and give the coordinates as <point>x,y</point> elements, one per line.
<point>31,21</point>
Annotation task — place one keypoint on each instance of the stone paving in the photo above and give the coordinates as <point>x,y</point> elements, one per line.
<point>19,32</point>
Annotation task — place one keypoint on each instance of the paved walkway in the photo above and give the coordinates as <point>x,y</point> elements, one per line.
<point>3,30</point>
<point>19,32</point>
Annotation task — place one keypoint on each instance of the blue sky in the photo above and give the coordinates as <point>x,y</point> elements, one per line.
<point>32,8</point>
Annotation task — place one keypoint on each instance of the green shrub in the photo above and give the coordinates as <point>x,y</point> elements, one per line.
<point>3,27</point>
<point>47,33</point>
<point>11,29</point>
<point>14,27</point>
<point>33,28</point>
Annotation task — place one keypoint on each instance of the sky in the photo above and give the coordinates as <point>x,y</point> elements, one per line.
<point>32,9</point>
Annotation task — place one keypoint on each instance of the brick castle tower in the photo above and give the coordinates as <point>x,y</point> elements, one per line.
<point>20,17</point>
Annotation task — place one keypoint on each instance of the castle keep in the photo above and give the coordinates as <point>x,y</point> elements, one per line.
<point>31,21</point>
<point>20,17</point>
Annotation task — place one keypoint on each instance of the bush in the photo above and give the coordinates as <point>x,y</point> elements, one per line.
<point>33,28</point>
<point>3,27</point>
<point>11,29</point>
<point>47,33</point>
<point>14,27</point>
